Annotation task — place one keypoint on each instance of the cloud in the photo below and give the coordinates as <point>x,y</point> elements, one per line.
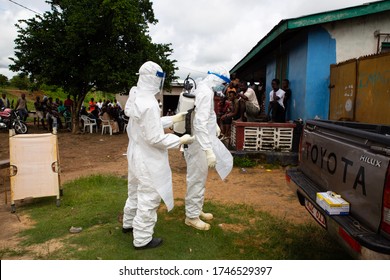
<point>206,32</point>
<point>203,33</point>
<point>8,31</point>
<point>9,16</point>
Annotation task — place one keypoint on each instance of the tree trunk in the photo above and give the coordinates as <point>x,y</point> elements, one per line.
<point>75,119</point>
<point>78,101</point>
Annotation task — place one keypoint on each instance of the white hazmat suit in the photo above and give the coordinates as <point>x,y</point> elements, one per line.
<point>149,173</point>
<point>206,151</point>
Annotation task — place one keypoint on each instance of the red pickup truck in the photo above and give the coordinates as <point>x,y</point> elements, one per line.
<point>352,160</point>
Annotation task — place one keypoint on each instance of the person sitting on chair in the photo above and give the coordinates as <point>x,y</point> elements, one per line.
<point>107,117</point>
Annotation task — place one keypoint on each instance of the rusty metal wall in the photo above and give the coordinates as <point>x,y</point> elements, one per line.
<point>373,90</point>
<point>360,90</point>
<point>342,91</point>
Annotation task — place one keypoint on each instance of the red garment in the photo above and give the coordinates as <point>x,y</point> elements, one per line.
<point>92,106</point>
<point>68,103</point>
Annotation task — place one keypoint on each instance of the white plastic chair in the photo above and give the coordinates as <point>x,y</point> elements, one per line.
<point>106,124</point>
<point>89,123</point>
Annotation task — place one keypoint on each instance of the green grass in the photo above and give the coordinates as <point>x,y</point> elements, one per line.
<point>12,253</point>
<point>238,232</point>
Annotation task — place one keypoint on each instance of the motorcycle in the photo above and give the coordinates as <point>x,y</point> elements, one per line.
<point>10,119</point>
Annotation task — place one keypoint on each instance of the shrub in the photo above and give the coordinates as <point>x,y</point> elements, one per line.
<point>244,162</point>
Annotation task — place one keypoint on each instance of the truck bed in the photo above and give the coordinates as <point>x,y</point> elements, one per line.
<point>367,238</point>
<point>352,160</point>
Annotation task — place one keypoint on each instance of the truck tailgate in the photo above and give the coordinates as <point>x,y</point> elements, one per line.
<point>366,237</point>
<point>348,165</point>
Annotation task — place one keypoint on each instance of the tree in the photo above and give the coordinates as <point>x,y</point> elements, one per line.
<point>20,81</point>
<point>3,80</point>
<point>85,44</point>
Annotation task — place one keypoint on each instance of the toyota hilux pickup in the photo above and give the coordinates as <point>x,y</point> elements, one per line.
<point>352,160</point>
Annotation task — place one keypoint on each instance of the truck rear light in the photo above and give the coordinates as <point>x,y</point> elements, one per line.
<point>351,242</point>
<point>385,225</point>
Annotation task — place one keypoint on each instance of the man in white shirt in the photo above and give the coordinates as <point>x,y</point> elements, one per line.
<point>99,104</point>
<point>276,106</point>
<point>251,106</point>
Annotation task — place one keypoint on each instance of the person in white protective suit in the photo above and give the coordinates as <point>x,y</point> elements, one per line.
<point>206,150</point>
<point>149,173</point>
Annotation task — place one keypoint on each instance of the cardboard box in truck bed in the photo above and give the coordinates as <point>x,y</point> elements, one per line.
<point>332,203</point>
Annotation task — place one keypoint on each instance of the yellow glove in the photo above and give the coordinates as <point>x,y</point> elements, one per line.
<point>187,139</point>
<point>179,117</point>
<point>218,132</point>
<point>211,159</point>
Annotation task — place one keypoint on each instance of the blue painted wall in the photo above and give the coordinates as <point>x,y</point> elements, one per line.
<point>309,60</point>
<point>297,72</point>
<point>321,52</point>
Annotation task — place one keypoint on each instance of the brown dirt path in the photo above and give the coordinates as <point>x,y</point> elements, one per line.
<point>85,154</point>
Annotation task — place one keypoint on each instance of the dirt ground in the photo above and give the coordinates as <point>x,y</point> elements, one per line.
<point>86,154</point>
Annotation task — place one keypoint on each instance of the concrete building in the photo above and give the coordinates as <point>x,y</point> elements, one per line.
<point>302,50</point>
<point>168,99</point>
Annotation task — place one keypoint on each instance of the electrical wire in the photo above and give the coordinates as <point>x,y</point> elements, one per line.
<point>24,7</point>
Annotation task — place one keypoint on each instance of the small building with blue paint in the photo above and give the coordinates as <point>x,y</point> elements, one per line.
<point>302,50</point>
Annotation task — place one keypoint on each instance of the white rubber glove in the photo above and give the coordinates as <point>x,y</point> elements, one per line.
<point>187,139</point>
<point>179,117</point>
<point>218,132</point>
<point>211,159</point>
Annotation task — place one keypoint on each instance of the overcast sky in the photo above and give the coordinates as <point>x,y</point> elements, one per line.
<point>203,33</point>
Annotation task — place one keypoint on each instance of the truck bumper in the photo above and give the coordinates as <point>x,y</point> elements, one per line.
<point>358,241</point>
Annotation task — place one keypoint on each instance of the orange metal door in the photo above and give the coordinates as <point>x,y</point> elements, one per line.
<point>342,91</point>
<point>373,92</point>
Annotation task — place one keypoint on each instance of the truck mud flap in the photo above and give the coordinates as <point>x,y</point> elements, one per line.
<point>369,239</point>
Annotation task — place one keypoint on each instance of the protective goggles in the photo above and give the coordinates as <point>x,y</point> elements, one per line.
<point>160,74</point>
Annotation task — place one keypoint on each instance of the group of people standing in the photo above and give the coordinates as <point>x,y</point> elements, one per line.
<point>149,173</point>
<point>20,107</point>
<point>53,112</point>
<point>56,114</point>
<point>47,109</point>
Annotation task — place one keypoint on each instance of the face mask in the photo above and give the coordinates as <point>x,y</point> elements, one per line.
<point>218,88</point>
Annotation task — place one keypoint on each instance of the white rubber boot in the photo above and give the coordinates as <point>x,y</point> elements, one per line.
<point>197,223</point>
<point>206,216</point>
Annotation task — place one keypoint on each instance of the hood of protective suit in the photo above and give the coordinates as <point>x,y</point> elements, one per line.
<point>150,78</point>
<point>217,76</point>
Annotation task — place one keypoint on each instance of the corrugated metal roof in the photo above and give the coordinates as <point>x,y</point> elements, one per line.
<point>314,19</point>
